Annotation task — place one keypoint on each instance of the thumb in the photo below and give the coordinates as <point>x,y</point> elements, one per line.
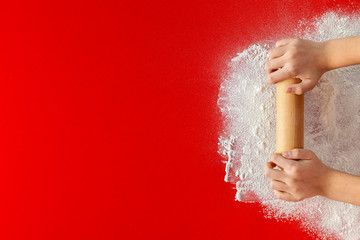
<point>300,88</point>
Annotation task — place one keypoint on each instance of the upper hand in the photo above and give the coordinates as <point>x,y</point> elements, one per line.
<point>296,58</point>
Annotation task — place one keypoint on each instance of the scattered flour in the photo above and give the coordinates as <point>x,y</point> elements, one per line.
<point>332,131</point>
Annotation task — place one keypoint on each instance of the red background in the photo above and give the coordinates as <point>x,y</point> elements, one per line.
<point>108,117</point>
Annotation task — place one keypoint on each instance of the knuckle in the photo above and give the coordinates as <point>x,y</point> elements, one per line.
<point>277,194</point>
<point>282,198</point>
<point>298,199</point>
<point>278,43</point>
<point>292,52</point>
<point>295,189</point>
<point>299,90</point>
<point>296,171</point>
<point>292,70</point>
<point>271,53</point>
<point>291,182</point>
<point>270,79</point>
<point>312,154</point>
<point>267,65</point>
<point>296,41</point>
<point>293,48</point>
<point>291,164</point>
<point>272,157</point>
<point>291,55</point>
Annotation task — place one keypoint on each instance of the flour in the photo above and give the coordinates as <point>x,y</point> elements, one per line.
<point>332,131</point>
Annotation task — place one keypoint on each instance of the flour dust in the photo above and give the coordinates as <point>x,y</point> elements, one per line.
<point>332,131</point>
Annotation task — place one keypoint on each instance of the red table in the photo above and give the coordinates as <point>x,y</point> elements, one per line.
<point>109,120</point>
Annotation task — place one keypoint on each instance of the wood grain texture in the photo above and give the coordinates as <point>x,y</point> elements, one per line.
<point>289,117</point>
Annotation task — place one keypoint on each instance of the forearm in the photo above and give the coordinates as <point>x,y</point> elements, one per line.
<point>342,187</point>
<point>341,52</point>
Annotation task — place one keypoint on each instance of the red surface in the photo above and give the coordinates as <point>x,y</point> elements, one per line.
<point>109,122</point>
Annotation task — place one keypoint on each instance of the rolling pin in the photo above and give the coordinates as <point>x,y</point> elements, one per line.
<point>289,117</point>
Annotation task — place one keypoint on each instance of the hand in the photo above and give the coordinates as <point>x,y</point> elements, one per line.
<point>302,176</point>
<point>296,58</point>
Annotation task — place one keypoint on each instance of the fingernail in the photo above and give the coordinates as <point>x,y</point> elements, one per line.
<point>289,90</point>
<point>286,154</point>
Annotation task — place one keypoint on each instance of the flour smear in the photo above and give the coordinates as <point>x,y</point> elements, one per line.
<point>332,130</point>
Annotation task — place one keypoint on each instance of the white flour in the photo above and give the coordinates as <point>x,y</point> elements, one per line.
<point>332,131</point>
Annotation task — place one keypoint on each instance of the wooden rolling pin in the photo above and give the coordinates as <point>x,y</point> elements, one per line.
<point>289,117</point>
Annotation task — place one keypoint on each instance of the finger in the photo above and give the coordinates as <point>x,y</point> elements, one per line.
<point>279,75</point>
<point>299,154</point>
<point>272,173</point>
<point>280,161</point>
<point>285,196</point>
<point>283,42</point>
<point>300,88</point>
<point>278,185</point>
<point>274,64</point>
<point>277,52</point>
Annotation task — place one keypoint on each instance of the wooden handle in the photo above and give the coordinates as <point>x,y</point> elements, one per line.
<point>289,117</point>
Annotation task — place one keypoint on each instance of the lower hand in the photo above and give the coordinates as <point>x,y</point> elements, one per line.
<point>302,176</point>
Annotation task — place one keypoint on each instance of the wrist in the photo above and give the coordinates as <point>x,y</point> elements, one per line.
<point>327,182</point>
<point>325,56</point>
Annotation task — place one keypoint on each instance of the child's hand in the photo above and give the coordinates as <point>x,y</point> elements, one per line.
<point>298,58</point>
<point>302,176</point>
